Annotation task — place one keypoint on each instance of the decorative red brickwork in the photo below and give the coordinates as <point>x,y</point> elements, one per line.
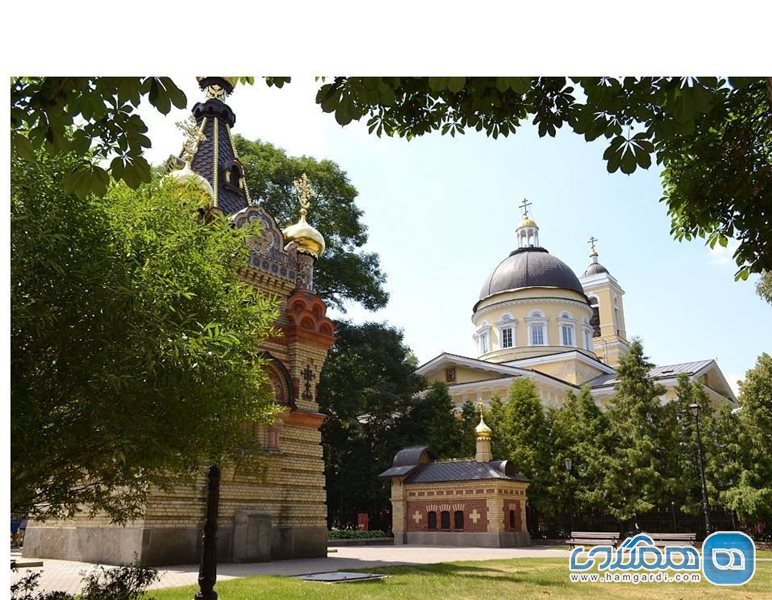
<point>308,323</point>
<point>475,514</point>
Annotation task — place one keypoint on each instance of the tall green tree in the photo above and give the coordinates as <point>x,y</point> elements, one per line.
<point>133,342</point>
<point>681,476</point>
<point>751,494</point>
<point>345,272</point>
<point>634,481</point>
<point>579,431</point>
<point>431,420</point>
<point>367,384</point>
<point>520,434</point>
<point>470,417</point>
<point>764,286</point>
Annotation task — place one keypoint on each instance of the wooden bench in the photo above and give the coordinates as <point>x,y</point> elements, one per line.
<point>673,539</point>
<point>593,538</point>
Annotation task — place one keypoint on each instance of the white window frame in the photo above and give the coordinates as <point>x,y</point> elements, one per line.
<point>566,320</point>
<point>482,338</point>
<point>536,317</point>
<point>587,333</point>
<point>506,322</point>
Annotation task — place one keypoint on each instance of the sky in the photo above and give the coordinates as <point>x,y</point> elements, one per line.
<point>441,213</point>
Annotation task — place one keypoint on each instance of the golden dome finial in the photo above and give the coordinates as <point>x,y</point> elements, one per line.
<point>308,239</point>
<point>482,430</point>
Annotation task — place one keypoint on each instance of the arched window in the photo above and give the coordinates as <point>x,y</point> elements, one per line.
<point>595,320</point>
<point>432,524</point>
<point>458,519</point>
<point>445,519</point>
<point>506,331</point>
<point>567,329</point>
<point>537,329</point>
<point>482,336</point>
<point>617,325</point>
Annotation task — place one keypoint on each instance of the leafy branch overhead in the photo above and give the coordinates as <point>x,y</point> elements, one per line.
<point>712,136</point>
<point>94,118</point>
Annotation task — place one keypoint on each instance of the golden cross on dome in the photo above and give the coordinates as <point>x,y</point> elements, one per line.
<point>592,241</point>
<point>193,137</point>
<point>305,192</point>
<point>525,206</point>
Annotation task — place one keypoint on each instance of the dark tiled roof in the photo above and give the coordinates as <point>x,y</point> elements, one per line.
<point>530,267</point>
<point>460,470</point>
<point>661,372</point>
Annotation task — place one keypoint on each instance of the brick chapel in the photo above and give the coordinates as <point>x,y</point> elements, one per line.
<point>478,502</point>
<point>281,514</point>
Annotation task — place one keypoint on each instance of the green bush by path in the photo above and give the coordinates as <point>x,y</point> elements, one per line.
<point>521,579</point>
<point>354,534</point>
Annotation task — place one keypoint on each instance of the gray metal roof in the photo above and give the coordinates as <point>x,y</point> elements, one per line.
<point>661,372</point>
<point>462,470</point>
<point>595,269</point>
<point>530,267</point>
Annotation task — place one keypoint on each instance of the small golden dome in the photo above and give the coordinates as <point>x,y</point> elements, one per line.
<point>482,430</point>
<point>307,238</point>
<point>527,222</point>
<point>187,175</point>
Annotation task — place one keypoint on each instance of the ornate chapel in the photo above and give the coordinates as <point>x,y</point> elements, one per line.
<point>281,514</point>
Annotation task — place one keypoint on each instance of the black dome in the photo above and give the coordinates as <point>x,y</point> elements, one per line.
<point>530,267</point>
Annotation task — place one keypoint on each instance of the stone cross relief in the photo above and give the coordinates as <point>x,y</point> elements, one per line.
<point>475,516</point>
<point>417,516</point>
<point>308,376</point>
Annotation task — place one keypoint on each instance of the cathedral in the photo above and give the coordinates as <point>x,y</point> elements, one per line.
<point>282,513</point>
<point>535,318</point>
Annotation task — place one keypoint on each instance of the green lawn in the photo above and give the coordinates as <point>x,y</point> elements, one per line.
<point>516,579</point>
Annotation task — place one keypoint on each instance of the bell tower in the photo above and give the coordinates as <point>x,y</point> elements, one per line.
<point>609,335</point>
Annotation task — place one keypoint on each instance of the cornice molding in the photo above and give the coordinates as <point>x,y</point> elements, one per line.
<point>521,301</point>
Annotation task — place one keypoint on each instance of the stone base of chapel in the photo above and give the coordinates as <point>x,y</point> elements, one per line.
<point>504,539</point>
<point>251,540</point>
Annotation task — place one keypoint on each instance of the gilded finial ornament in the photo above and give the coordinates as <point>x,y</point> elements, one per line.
<point>217,87</point>
<point>305,192</point>
<point>308,239</point>
<point>193,137</point>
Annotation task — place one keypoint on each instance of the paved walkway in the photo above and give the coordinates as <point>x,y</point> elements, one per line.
<point>66,575</point>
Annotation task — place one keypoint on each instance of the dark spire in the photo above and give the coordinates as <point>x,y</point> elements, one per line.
<point>215,158</point>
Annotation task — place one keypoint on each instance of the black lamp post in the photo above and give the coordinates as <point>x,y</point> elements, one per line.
<point>569,464</point>
<point>696,408</point>
<point>207,572</point>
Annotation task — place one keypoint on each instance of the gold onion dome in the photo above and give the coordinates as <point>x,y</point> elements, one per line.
<point>308,239</point>
<point>527,222</point>
<point>186,175</point>
<point>482,430</point>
